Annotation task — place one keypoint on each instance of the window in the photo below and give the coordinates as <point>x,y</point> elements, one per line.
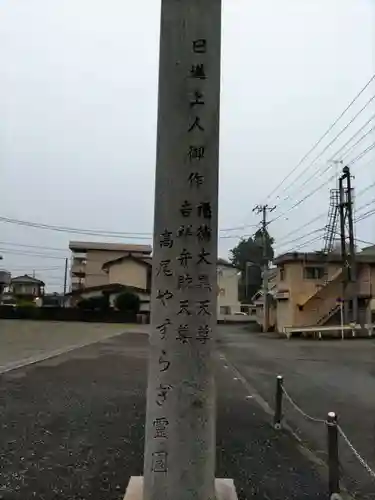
<point>225,310</point>
<point>313,273</point>
<point>282,273</point>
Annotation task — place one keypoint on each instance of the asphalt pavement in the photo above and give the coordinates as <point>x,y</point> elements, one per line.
<point>320,376</point>
<point>72,427</point>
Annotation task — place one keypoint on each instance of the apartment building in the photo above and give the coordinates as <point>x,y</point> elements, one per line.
<point>309,288</point>
<point>88,258</point>
<point>112,268</point>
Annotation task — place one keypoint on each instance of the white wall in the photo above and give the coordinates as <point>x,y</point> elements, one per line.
<point>129,273</point>
<point>227,281</point>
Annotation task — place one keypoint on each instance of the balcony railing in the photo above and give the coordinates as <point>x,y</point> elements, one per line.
<point>78,270</point>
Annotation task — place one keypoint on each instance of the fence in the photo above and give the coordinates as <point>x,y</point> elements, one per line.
<point>69,314</point>
<point>333,430</point>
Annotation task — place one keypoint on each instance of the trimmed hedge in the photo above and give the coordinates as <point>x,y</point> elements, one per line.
<point>66,314</point>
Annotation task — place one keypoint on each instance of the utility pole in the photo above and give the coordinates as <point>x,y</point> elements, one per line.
<point>264,209</point>
<point>348,253</point>
<point>344,257</point>
<point>353,263</point>
<point>65,278</point>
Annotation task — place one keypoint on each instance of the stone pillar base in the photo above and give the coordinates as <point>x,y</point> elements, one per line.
<point>225,489</point>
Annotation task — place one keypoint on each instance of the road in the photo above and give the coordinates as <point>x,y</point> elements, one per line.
<point>72,427</point>
<point>321,376</point>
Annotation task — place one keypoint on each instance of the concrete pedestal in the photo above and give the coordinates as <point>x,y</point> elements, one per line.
<point>224,489</point>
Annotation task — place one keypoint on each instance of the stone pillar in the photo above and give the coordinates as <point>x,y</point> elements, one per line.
<point>180,427</point>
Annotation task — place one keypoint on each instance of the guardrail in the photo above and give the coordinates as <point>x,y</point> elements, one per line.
<point>344,331</point>
<point>333,430</point>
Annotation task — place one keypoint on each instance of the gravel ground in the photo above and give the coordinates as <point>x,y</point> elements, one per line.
<point>22,340</point>
<point>321,376</point>
<point>72,428</point>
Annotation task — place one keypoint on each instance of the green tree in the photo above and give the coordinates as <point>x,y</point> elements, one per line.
<point>248,257</point>
<point>98,303</point>
<point>128,302</point>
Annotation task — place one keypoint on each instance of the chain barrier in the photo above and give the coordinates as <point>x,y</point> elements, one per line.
<point>296,407</point>
<point>355,453</point>
<point>342,433</point>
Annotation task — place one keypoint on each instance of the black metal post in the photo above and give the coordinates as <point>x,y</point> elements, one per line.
<point>333,455</point>
<point>278,402</point>
<point>352,250</point>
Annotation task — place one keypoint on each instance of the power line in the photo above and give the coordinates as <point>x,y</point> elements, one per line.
<point>313,240</point>
<point>353,146</point>
<point>360,193</point>
<point>34,268</point>
<point>358,219</point>
<point>66,229</point>
<point>58,257</point>
<point>359,240</point>
<point>365,216</point>
<point>102,233</point>
<point>238,228</point>
<point>321,172</point>
<point>308,223</point>
<point>362,154</point>
<point>357,158</point>
<point>351,138</point>
<point>311,164</point>
<point>298,203</point>
<point>53,256</point>
<point>315,190</point>
<point>30,254</point>
<point>13,244</point>
<point>366,205</point>
<point>319,230</point>
<point>316,144</point>
<point>318,217</point>
<point>365,242</point>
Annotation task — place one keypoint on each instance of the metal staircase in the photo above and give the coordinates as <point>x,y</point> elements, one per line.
<point>333,218</point>
<point>327,282</point>
<point>328,315</point>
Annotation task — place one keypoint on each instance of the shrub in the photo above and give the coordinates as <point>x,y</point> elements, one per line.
<point>128,302</point>
<point>93,304</point>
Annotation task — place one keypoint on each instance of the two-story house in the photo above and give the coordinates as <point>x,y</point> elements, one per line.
<point>310,287</point>
<point>26,288</point>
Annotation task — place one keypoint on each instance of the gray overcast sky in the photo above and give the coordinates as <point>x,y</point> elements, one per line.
<point>78,92</point>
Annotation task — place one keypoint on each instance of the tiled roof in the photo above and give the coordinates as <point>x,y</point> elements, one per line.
<point>142,260</point>
<point>321,258</point>
<point>112,287</point>
<point>26,279</point>
<point>84,246</point>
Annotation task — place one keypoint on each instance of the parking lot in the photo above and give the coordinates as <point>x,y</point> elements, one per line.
<point>73,425</point>
<point>320,376</point>
<point>72,399</point>
<point>24,341</point>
